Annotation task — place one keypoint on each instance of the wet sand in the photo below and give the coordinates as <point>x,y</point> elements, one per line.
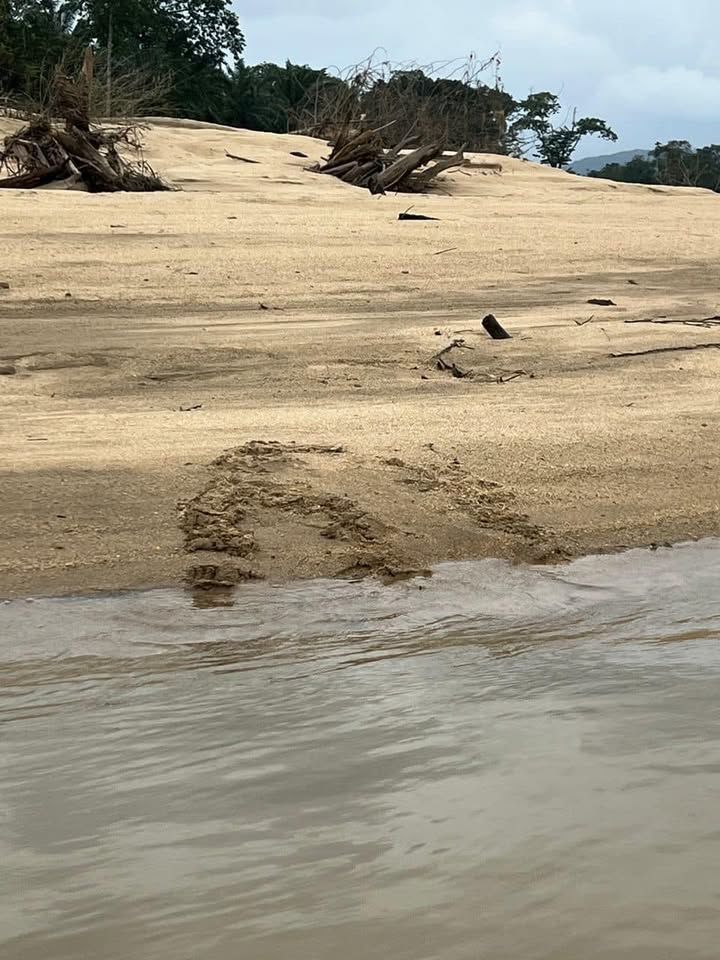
<point>161,423</point>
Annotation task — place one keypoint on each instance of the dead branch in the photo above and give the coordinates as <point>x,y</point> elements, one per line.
<point>361,158</point>
<point>456,160</point>
<point>453,345</point>
<point>234,156</point>
<point>33,179</point>
<point>707,322</point>
<point>63,148</point>
<point>644,353</point>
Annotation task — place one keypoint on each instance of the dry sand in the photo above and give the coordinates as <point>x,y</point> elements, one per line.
<point>123,310</point>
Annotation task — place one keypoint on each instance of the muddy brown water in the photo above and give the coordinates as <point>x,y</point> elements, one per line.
<point>495,762</point>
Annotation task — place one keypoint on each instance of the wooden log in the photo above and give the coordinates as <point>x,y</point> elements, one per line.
<point>400,169</point>
<point>363,171</point>
<point>446,163</point>
<point>38,177</point>
<point>393,154</point>
<point>101,176</point>
<point>349,150</point>
<point>350,175</point>
<point>339,171</point>
<point>495,329</point>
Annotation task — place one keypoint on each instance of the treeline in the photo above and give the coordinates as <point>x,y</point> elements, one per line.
<point>185,57</point>
<point>673,164</point>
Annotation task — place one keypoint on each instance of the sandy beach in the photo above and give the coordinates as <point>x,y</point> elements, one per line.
<point>237,380</point>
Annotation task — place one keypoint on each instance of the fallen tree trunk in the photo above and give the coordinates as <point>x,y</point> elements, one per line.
<point>361,159</point>
<point>456,160</point>
<point>38,177</point>
<point>397,171</point>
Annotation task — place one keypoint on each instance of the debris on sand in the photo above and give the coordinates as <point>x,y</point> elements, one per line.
<point>44,154</point>
<point>442,361</point>
<point>362,159</point>
<point>234,156</point>
<point>415,216</point>
<point>495,329</point>
<point>64,149</point>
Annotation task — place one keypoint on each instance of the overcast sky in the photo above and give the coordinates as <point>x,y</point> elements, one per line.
<point>648,67</point>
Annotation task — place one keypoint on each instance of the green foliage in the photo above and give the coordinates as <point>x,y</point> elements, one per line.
<point>202,31</point>
<point>638,170</point>
<point>33,38</point>
<point>191,50</point>
<point>190,39</point>
<point>673,164</point>
<point>555,145</point>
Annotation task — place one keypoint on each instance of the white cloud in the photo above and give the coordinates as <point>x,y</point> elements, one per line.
<point>674,91</point>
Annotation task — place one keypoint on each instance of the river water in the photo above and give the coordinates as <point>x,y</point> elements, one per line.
<point>494,762</point>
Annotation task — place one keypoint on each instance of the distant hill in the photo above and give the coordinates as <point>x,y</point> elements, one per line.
<point>590,164</point>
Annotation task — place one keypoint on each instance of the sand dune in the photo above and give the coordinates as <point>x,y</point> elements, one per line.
<point>123,309</point>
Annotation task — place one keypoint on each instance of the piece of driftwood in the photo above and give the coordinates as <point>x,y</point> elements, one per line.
<point>234,156</point>
<point>38,177</point>
<point>688,346</point>
<point>445,163</point>
<point>602,302</point>
<point>509,377</point>
<point>448,365</point>
<point>706,322</point>
<point>495,329</point>
<point>452,368</point>
<point>415,216</point>
<point>361,158</point>
<point>453,345</point>
<point>405,165</point>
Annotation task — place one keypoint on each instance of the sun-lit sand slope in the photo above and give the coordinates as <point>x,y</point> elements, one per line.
<point>286,306</point>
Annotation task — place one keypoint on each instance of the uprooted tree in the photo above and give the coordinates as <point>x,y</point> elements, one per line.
<point>59,145</point>
<point>361,158</point>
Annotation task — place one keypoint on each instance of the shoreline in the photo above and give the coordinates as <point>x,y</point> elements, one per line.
<point>124,580</point>
<point>240,377</point>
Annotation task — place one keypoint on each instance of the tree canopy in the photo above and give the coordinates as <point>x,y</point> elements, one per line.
<point>190,39</point>
<point>673,164</point>
<point>555,144</point>
<point>189,56</point>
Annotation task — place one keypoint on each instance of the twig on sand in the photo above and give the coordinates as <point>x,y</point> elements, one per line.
<point>689,346</point>
<point>453,368</point>
<point>453,345</point>
<point>706,322</point>
<point>234,156</point>
<point>513,376</point>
